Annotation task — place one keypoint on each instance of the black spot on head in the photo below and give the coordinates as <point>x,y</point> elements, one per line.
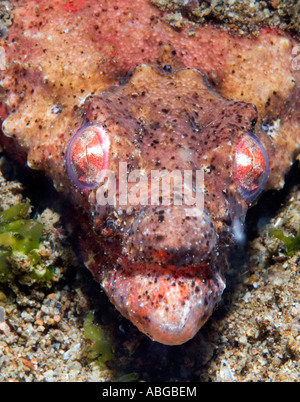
<point>161,218</point>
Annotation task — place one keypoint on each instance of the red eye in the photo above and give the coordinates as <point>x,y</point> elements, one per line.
<point>87,156</point>
<point>251,166</point>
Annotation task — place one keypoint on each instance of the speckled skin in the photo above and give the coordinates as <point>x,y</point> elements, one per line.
<point>70,63</point>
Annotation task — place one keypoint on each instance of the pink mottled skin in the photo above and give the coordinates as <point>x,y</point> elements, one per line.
<point>69,64</point>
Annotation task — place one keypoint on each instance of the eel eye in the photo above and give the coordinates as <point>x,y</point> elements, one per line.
<point>251,166</point>
<point>87,156</point>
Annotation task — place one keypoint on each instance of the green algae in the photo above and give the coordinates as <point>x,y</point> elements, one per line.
<point>291,242</point>
<point>18,211</point>
<point>101,348</point>
<point>131,377</point>
<point>19,237</point>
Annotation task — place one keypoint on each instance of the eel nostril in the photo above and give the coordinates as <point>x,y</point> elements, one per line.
<point>177,239</point>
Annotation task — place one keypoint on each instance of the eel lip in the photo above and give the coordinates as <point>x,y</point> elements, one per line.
<point>166,303</point>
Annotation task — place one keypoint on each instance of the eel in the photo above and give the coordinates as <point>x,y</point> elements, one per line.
<point>103,96</point>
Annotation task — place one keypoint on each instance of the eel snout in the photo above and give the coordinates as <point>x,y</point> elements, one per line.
<point>174,235</point>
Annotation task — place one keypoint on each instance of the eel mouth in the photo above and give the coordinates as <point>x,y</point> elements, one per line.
<point>167,303</point>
